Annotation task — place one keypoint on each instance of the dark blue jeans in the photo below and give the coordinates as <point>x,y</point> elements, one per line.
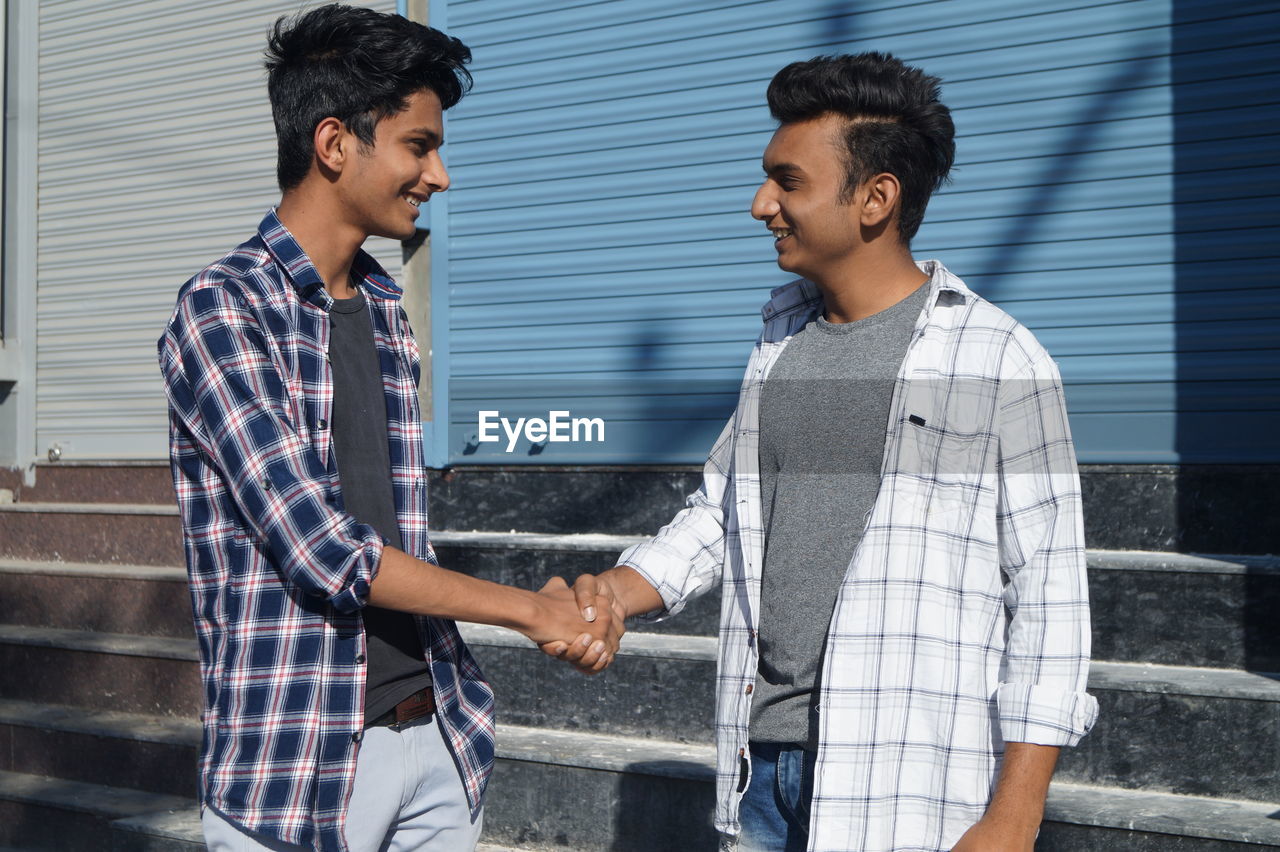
<point>774,811</point>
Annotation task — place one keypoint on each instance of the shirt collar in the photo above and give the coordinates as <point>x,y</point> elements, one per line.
<point>302,273</point>
<point>802,294</point>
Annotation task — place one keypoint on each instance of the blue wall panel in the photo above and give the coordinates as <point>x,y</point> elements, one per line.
<point>1115,190</point>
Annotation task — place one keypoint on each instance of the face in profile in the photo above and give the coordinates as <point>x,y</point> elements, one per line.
<point>384,184</point>
<point>802,200</point>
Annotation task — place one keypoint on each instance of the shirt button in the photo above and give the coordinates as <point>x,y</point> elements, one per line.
<point>324,424</point>
<point>749,688</point>
<point>357,736</point>
<point>742,752</point>
<point>360,658</point>
<point>266,483</point>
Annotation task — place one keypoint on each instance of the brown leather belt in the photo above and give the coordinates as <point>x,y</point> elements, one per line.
<point>421,703</point>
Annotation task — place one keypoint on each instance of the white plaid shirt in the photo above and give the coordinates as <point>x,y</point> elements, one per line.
<point>962,621</point>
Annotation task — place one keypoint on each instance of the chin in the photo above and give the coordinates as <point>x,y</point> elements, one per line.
<point>398,232</point>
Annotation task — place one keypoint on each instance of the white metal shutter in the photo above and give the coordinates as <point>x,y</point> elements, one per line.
<point>156,156</point>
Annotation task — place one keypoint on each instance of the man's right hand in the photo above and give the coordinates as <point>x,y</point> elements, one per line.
<point>618,593</point>
<point>563,631</point>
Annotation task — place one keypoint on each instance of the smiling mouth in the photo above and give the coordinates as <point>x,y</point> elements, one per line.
<point>414,200</point>
<point>780,233</point>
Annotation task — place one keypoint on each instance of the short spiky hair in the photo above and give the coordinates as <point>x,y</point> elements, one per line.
<point>896,122</point>
<point>356,65</point>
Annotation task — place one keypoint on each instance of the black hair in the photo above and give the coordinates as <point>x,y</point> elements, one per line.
<point>896,122</point>
<point>356,65</point>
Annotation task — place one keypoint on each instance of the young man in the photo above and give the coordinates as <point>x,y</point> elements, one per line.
<point>893,510</point>
<point>334,719</point>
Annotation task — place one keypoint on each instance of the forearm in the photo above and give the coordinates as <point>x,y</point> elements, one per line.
<point>411,585</point>
<point>1023,785</point>
<point>632,590</point>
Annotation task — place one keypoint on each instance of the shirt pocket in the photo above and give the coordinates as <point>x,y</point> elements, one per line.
<point>946,429</point>
<point>945,447</point>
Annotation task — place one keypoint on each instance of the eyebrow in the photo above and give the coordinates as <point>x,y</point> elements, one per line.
<point>775,168</point>
<point>434,138</point>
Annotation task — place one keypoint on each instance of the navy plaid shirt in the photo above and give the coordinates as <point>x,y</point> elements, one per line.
<point>278,571</point>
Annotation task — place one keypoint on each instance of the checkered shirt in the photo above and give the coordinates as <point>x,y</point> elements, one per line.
<point>278,571</point>
<point>962,620</point>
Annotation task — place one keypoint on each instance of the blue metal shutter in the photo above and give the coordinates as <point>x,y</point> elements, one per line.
<point>1115,191</point>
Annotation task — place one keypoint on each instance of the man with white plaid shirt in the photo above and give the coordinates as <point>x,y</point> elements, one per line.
<point>951,653</point>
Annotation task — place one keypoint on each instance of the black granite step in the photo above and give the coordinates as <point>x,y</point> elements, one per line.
<point>572,790</point>
<point>1166,608</point>
<point>1151,607</point>
<point>1181,609</point>
<point>553,788</point>
<point>1167,728</point>
<point>1197,508</point>
<point>1191,508</point>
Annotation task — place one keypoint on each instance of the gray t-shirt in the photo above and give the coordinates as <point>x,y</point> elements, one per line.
<point>824,414</point>
<point>396,665</point>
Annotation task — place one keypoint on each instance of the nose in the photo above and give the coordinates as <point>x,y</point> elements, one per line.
<point>765,205</point>
<point>434,174</point>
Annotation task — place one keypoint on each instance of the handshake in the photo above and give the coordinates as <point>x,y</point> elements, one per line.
<point>581,625</point>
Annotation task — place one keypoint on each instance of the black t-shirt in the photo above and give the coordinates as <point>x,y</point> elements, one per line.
<point>396,666</point>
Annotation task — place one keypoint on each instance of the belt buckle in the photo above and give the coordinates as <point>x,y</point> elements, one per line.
<point>421,703</point>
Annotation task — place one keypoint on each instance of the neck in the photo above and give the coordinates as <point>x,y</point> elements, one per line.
<point>330,243</point>
<point>867,285</point>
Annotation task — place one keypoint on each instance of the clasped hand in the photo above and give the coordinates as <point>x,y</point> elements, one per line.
<point>583,625</point>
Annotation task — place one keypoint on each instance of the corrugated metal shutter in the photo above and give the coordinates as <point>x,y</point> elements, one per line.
<point>156,156</point>
<point>1115,191</point>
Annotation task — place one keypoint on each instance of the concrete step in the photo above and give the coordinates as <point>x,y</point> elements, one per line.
<point>134,674</point>
<point>150,753</point>
<point>140,599</point>
<point>56,814</point>
<point>127,533</point>
<point>1168,728</point>
<point>106,482</point>
<point>176,830</point>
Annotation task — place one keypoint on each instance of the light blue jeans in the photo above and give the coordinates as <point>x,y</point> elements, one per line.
<point>774,811</point>
<point>407,796</point>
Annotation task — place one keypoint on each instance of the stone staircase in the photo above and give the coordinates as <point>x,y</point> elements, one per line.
<point>100,696</point>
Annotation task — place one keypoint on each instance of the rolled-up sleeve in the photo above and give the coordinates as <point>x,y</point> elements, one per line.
<point>686,557</point>
<point>227,392</point>
<point>1042,698</point>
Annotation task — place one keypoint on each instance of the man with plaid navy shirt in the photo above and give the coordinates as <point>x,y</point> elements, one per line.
<point>342,710</point>
<point>893,512</point>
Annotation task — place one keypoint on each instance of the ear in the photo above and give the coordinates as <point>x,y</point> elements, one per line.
<point>882,194</point>
<point>333,144</point>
